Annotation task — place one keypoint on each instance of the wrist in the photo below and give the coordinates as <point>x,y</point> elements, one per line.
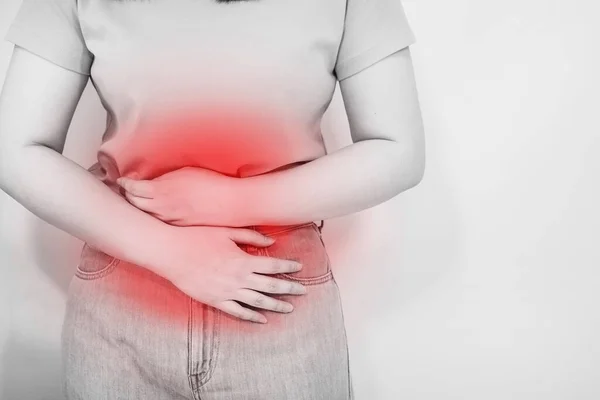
<point>245,203</point>
<point>148,248</point>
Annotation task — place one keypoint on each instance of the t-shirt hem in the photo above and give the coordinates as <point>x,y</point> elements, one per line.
<point>48,50</point>
<point>352,66</point>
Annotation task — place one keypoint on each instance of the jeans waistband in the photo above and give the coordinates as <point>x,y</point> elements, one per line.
<point>272,229</point>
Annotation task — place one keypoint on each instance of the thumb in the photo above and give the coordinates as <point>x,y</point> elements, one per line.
<point>251,237</point>
<point>137,188</point>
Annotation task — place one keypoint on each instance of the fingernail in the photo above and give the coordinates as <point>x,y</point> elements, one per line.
<point>269,239</point>
<point>262,320</point>
<point>298,266</point>
<point>289,308</point>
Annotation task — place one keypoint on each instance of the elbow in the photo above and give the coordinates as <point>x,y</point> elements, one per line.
<point>416,174</point>
<point>419,168</point>
<point>11,161</point>
<point>5,162</point>
<point>6,171</point>
<point>413,165</point>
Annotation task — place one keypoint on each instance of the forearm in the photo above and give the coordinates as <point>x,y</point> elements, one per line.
<point>349,180</point>
<point>67,196</point>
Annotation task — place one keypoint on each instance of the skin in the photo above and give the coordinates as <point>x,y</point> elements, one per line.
<point>387,134</point>
<point>37,104</point>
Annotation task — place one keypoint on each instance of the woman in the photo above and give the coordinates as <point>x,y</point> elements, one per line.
<point>202,275</point>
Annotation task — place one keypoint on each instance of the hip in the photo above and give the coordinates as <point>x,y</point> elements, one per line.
<point>121,311</point>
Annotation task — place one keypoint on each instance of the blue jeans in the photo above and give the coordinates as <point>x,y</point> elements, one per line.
<point>130,334</point>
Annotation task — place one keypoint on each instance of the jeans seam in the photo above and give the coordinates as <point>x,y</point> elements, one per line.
<point>310,281</point>
<point>288,229</point>
<point>214,350</point>
<point>327,276</point>
<point>350,389</point>
<point>97,274</point>
<point>211,315</point>
<point>191,377</point>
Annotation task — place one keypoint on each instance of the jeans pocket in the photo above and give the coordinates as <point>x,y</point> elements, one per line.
<point>94,264</point>
<point>305,245</point>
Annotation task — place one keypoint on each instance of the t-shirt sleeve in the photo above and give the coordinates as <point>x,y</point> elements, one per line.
<point>51,30</point>
<point>373,30</point>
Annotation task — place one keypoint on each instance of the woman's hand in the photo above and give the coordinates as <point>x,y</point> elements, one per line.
<point>206,264</point>
<point>185,197</point>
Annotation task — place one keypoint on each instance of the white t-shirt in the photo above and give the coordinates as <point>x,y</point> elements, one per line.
<point>237,87</point>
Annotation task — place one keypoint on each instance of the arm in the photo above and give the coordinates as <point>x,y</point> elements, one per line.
<point>386,158</point>
<point>387,155</point>
<point>36,106</point>
<point>37,103</point>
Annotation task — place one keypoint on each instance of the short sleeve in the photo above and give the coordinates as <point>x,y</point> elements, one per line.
<point>373,30</point>
<point>51,30</point>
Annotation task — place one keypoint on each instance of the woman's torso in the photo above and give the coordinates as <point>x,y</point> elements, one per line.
<point>237,87</point>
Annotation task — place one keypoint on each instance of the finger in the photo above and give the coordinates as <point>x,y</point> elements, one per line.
<point>269,284</point>
<point>176,221</point>
<point>140,202</point>
<point>271,265</point>
<point>248,236</point>
<point>236,310</point>
<point>259,300</point>
<point>141,188</point>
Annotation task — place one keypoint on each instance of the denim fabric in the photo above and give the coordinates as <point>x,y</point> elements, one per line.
<point>130,334</point>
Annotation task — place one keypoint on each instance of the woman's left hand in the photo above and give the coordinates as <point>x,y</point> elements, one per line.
<point>184,197</point>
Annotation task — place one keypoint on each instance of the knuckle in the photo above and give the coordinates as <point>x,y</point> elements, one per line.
<point>225,230</point>
<point>272,286</point>
<point>239,279</point>
<point>131,198</point>
<point>142,189</point>
<point>291,287</point>
<point>247,317</point>
<point>265,238</point>
<point>294,266</point>
<point>299,288</point>
<point>234,312</point>
<point>239,233</point>
<point>248,232</point>
<point>259,300</point>
<point>237,314</point>
<point>277,266</point>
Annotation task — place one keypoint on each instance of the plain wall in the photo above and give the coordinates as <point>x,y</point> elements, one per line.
<point>481,282</point>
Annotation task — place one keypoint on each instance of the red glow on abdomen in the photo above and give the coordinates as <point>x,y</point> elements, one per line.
<point>233,142</point>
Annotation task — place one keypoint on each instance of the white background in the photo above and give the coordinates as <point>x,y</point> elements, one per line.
<point>479,284</point>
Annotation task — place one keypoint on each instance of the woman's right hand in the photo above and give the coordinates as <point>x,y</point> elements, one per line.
<point>205,263</point>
